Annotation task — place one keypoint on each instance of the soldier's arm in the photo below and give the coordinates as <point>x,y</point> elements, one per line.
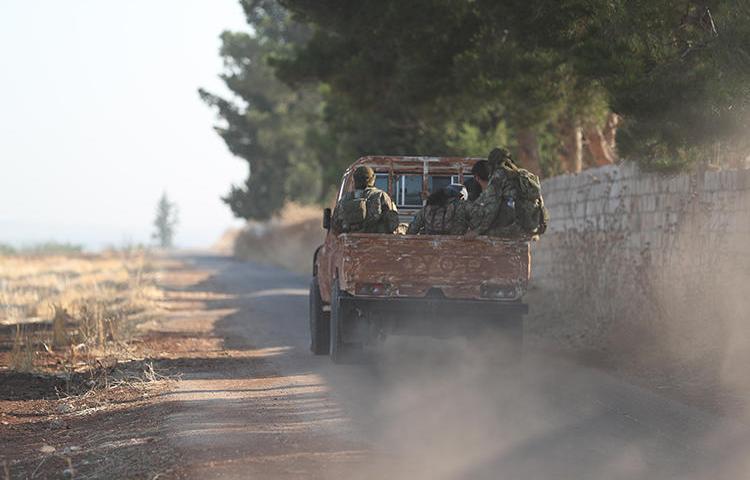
<point>389,213</point>
<point>417,224</point>
<point>388,203</point>
<point>483,211</point>
<point>461,219</point>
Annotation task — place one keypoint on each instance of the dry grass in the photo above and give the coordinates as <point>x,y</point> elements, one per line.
<point>22,353</point>
<point>78,307</point>
<point>287,240</point>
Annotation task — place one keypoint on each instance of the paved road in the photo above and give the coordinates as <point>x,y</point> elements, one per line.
<point>419,409</point>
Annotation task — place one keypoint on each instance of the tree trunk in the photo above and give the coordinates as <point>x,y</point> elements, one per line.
<point>528,151</point>
<point>571,151</point>
<point>610,131</point>
<point>601,141</point>
<point>601,145</point>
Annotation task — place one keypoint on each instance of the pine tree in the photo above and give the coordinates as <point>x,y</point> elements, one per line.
<point>165,222</point>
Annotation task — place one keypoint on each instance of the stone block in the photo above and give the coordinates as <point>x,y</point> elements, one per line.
<point>616,189</point>
<point>634,242</point>
<point>651,240</point>
<point>579,210</point>
<point>677,184</point>
<point>647,203</point>
<point>730,201</point>
<point>711,181</point>
<point>647,223</point>
<point>728,179</point>
<point>627,186</point>
<point>550,184</point>
<point>611,205</point>
<point>628,170</point>
<point>660,219</point>
<point>640,187</point>
<point>743,179</point>
<point>595,208</point>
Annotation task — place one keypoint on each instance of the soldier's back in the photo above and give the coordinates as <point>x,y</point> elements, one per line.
<point>369,210</point>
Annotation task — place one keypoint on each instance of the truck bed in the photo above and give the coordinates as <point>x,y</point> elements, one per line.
<point>453,267</point>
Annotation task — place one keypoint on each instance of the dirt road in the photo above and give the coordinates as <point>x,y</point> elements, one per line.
<point>418,409</point>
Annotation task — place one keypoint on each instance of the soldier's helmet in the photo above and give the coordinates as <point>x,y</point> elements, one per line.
<point>364,176</point>
<point>456,190</point>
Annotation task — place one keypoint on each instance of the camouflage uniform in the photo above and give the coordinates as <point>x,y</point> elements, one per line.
<point>450,219</point>
<point>381,214</point>
<point>493,212</point>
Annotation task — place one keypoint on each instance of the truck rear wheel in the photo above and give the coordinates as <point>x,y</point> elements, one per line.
<point>320,322</point>
<point>340,351</point>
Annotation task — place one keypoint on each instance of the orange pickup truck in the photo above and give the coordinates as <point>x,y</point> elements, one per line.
<point>368,286</point>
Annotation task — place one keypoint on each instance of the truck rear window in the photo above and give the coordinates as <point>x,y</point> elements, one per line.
<point>407,188</point>
<point>409,191</point>
<point>436,182</point>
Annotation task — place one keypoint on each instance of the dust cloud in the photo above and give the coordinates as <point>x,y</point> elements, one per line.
<point>445,409</point>
<point>671,403</point>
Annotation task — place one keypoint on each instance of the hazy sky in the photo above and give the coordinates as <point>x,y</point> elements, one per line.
<point>99,113</point>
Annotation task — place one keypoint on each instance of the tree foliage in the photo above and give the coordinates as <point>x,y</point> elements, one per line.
<point>321,82</point>
<point>267,123</point>
<point>165,222</point>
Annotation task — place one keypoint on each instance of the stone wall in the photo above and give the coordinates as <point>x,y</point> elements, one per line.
<point>650,210</point>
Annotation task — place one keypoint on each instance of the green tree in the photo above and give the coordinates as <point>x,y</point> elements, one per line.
<point>267,124</point>
<point>165,222</point>
<point>676,72</point>
<point>318,83</point>
<point>438,76</point>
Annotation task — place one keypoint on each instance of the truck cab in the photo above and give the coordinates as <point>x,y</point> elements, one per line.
<point>368,286</point>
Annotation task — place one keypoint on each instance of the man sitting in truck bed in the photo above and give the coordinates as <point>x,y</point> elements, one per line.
<point>511,205</point>
<point>480,179</point>
<point>444,213</point>
<point>367,209</point>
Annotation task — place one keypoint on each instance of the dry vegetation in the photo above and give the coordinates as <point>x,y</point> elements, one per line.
<point>85,358</point>
<point>66,316</point>
<point>288,240</point>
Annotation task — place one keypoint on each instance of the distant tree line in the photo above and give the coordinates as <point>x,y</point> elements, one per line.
<point>43,248</point>
<point>565,84</point>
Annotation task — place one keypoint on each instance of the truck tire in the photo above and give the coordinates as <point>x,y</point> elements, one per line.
<point>320,322</point>
<point>340,351</point>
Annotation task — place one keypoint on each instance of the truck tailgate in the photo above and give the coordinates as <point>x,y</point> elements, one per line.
<point>418,265</point>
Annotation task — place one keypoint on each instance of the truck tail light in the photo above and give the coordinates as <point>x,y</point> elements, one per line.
<point>499,292</point>
<point>376,289</point>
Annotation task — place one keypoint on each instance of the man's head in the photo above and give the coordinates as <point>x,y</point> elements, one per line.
<point>473,189</point>
<point>364,177</point>
<point>481,172</point>
<point>498,157</point>
<point>498,154</point>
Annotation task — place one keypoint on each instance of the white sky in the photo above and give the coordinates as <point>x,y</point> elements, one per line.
<point>99,113</point>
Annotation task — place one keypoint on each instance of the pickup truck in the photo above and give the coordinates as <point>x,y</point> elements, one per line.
<point>368,286</point>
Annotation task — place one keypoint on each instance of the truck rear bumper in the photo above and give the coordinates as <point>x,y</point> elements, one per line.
<point>437,317</point>
<point>437,306</point>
